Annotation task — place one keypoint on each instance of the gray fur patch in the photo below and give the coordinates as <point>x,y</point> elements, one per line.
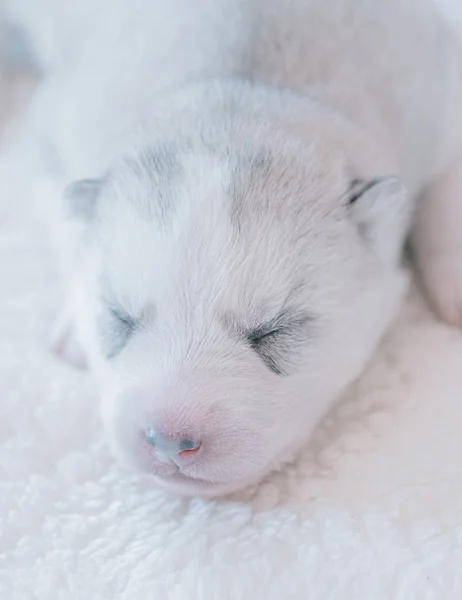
<point>248,172</point>
<point>263,185</point>
<point>157,172</point>
<point>19,52</point>
<point>80,198</point>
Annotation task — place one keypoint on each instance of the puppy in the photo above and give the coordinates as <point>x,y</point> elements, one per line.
<point>245,176</point>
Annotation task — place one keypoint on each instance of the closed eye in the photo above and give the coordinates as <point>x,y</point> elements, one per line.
<point>118,313</point>
<point>115,328</point>
<point>279,342</point>
<point>257,336</point>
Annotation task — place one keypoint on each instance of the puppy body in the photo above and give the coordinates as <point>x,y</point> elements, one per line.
<point>253,168</point>
<point>374,64</point>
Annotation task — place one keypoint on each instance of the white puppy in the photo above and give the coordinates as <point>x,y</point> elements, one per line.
<point>250,171</point>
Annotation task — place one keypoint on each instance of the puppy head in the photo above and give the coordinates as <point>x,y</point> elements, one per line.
<point>228,294</point>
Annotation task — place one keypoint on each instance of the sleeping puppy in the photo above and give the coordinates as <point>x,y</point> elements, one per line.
<point>245,176</point>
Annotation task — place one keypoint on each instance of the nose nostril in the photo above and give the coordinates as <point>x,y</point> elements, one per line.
<point>171,446</point>
<point>189,445</point>
<point>151,437</point>
<point>190,448</point>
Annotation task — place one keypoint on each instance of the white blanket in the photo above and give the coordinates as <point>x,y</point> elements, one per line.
<point>371,510</point>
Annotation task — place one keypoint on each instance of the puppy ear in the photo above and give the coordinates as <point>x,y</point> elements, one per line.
<point>382,210</point>
<point>80,198</point>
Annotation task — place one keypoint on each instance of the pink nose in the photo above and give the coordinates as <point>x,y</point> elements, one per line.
<point>172,448</point>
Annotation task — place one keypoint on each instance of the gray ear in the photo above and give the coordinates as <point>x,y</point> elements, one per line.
<point>382,211</point>
<point>80,198</point>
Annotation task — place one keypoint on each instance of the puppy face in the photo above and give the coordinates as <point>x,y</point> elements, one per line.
<point>228,295</point>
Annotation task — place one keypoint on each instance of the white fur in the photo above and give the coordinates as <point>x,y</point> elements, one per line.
<point>344,91</point>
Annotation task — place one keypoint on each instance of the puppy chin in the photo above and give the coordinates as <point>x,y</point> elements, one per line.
<point>188,487</point>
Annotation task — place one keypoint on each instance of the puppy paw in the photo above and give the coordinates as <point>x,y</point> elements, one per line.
<point>442,278</point>
<point>438,244</point>
<point>64,342</point>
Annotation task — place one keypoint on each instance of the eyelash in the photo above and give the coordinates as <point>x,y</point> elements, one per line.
<point>116,327</point>
<point>123,317</point>
<point>261,342</point>
<point>258,336</point>
<point>277,345</point>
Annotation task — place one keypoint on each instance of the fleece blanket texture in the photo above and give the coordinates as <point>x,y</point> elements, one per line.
<point>371,510</point>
